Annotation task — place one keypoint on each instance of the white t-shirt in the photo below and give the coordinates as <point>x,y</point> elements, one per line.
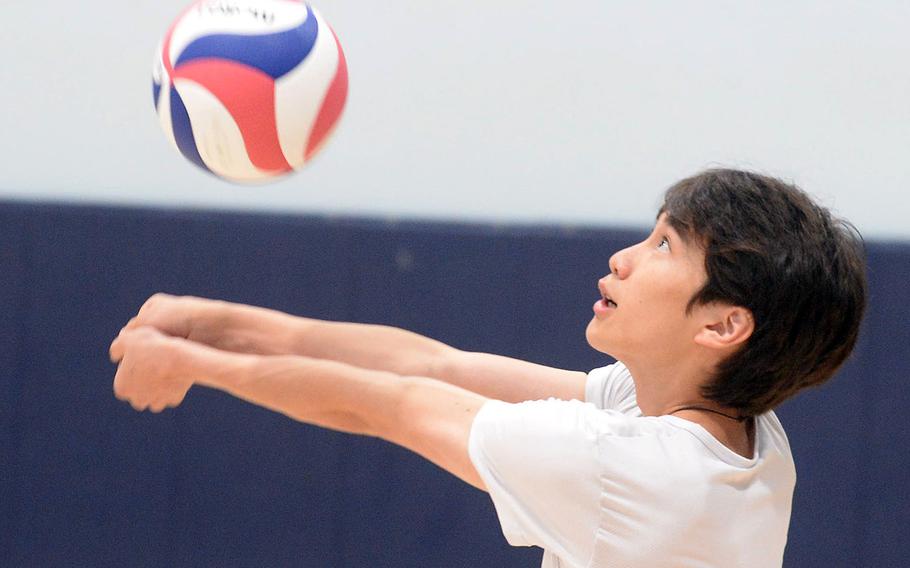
<point>596,484</point>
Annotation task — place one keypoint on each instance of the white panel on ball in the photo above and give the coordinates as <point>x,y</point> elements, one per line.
<point>299,94</point>
<point>163,103</point>
<point>218,137</point>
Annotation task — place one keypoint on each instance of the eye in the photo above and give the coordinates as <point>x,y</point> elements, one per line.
<point>664,244</point>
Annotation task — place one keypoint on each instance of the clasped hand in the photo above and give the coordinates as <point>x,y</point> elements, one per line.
<point>155,362</point>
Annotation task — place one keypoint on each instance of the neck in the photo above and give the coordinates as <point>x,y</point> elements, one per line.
<point>665,388</point>
<point>703,408</point>
<point>675,389</point>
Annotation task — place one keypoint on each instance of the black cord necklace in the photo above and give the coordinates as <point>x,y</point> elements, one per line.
<point>706,409</point>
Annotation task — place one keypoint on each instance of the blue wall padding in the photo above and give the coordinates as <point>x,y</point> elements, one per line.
<point>86,481</point>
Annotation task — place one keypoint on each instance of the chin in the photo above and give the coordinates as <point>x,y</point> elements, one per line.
<point>595,341</point>
<point>598,342</point>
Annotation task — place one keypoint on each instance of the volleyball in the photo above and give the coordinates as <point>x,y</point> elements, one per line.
<point>249,90</point>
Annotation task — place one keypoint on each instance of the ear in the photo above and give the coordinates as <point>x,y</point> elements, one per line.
<point>726,326</point>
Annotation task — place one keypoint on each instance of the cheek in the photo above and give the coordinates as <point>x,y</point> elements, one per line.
<point>652,317</point>
<point>660,319</point>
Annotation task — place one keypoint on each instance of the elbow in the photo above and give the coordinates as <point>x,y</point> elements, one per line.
<point>393,409</point>
<point>349,423</point>
<point>444,364</point>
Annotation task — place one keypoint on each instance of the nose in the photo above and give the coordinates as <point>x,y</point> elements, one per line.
<point>619,263</point>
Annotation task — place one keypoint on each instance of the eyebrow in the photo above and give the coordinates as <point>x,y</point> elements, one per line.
<point>680,235</point>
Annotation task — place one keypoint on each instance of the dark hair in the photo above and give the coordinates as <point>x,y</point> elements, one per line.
<point>799,270</point>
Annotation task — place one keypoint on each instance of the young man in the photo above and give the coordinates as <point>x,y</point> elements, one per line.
<point>745,293</point>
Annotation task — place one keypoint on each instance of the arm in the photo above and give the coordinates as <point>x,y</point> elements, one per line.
<point>423,415</point>
<point>248,329</point>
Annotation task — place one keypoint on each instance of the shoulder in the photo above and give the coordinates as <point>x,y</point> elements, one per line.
<point>769,426</point>
<point>539,461</point>
<point>560,426</point>
<point>773,447</point>
<point>612,387</point>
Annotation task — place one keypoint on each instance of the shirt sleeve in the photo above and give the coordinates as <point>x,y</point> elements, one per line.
<point>612,388</point>
<point>539,462</point>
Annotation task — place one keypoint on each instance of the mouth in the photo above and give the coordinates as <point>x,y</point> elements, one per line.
<point>607,300</point>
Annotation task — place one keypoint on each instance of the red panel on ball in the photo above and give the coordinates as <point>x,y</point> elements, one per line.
<point>249,96</point>
<point>332,105</point>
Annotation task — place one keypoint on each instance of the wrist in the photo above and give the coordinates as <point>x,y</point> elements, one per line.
<point>239,328</point>
<point>215,368</point>
<point>206,320</point>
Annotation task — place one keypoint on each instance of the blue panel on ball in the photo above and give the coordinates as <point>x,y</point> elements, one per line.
<point>183,131</point>
<point>156,91</point>
<point>274,54</point>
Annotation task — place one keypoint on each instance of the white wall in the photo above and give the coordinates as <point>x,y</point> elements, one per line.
<point>562,112</point>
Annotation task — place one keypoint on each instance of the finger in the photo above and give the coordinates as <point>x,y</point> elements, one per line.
<point>134,322</point>
<point>176,401</point>
<point>157,406</point>
<point>119,394</point>
<point>116,349</point>
<point>138,406</point>
<point>153,300</point>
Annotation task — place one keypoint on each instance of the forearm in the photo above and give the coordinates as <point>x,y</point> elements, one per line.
<point>155,371</point>
<point>249,329</point>
<point>428,417</point>
<point>398,351</point>
<point>323,393</point>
